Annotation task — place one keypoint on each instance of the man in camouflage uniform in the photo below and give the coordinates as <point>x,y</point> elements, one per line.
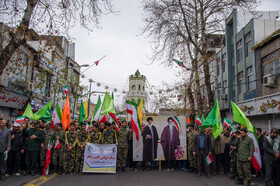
<point>123,136</point>
<point>245,153</point>
<point>95,135</point>
<point>82,139</point>
<point>58,152</point>
<point>109,135</point>
<point>48,131</point>
<point>69,150</point>
<point>233,155</point>
<point>190,137</point>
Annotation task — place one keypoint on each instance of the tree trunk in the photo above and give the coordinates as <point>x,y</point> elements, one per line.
<point>18,38</point>
<point>191,102</point>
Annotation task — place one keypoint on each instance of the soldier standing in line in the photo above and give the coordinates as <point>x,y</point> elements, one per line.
<point>192,159</point>
<point>58,138</point>
<point>69,150</point>
<point>123,136</point>
<point>109,135</point>
<point>82,139</point>
<point>245,153</point>
<point>48,131</point>
<point>233,155</point>
<point>35,138</point>
<point>95,135</point>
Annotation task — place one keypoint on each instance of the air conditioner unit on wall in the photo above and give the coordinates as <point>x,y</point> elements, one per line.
<point>30,87</point>
<point>269,81</point>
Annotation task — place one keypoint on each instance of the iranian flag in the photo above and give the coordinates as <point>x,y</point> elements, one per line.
<point>208,160</point>
<point>56,116</point>
<point>198,120</point>
<point>48,159</point>
<point>177,123</point>
<point>233,131</point>
<point>66,89</point>
<point>132,110</point>
<point>56,144</point>
<point>256,160</point>
<point>118,115</point>
<point>20,119</point>
<point>227,123</point>
<point>97,110</point>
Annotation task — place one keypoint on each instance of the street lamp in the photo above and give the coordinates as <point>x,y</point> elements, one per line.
<point>89,98</point>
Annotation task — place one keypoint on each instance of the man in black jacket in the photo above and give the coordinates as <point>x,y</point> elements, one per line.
<point>17,145</point>
<point>260,139</point>
<point>202,148</point>
<point>271,158</point>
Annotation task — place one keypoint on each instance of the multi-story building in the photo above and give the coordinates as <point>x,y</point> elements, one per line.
<point>37,73</point>
<point>236,66</point>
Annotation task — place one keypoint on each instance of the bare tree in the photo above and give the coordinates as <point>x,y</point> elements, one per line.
<point>50,17</point>
<point>174,23</point>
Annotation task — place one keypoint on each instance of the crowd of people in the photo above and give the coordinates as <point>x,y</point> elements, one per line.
<point>23,149</point>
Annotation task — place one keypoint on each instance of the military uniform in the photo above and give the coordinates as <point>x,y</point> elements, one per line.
<point>123,135</point>
<point>48,134</point>
<point>191,157</point>
<point>109,137</point>
<point>69,156</point>
<point>82,139</point>
<point>96,137</point>
<point>233,158</point>
<point>58,153</point>
<point>245,150</point>
<point>33,148</point>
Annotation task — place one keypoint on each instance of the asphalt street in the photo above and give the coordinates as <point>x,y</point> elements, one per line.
<point>128,178</point>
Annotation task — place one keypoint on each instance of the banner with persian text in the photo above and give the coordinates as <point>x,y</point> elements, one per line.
<point>100,158</point>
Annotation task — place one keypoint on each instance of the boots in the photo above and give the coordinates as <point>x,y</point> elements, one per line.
<point>54,170</point>
<point>248,183</point>
<point>239,181</point>
<point>59,170</point>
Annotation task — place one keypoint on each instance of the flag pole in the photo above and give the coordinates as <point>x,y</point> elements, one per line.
<point>94,63</point>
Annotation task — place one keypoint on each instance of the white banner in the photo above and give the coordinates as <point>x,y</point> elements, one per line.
<point>100,158</point>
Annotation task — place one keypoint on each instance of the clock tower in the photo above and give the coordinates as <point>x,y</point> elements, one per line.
<point>137,89</point>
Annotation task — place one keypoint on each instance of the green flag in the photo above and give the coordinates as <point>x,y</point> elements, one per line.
<point>202,118</point>
<point>108,105</point>
<point>214,119</point>
<point>240,117</point>
<point>42,111</point>
<point>82,113</point>
<point>28,111</point>
<point>47,116</point>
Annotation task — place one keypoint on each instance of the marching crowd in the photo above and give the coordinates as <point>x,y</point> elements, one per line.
<point>23,149</point>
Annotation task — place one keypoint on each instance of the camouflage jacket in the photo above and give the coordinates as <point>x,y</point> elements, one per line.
<point>96,137</point>
<point>83,137</point>
<point>109,137</point>
<point>70,138</point>
<point>61,138</point>
<point>48,135</point>
<point>190,138</point>
<point>123,136</point>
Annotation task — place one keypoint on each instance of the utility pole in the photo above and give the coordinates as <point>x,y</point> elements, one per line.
<point>90,81</point>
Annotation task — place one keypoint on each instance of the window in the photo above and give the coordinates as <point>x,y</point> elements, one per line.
<point>219,90</point>
<point>249,78</point>
<point>224,58</point>
<point>211,66</point>
<point>133,87</point>
<point>239,51</point>
<point>225,87</point>
<point>42,81</point>
<point>248,44</point>
<point>240,81</point>
<point>265,70</point>
<point>139,87</point>
<point>218,66</point>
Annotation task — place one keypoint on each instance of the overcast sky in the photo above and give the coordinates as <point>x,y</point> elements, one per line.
<point>127,50</point>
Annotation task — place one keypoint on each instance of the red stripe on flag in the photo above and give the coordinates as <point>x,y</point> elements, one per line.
<point>135,128</point>
<point>211,158</point>
<point>177,125</point>
<point>255,164</point>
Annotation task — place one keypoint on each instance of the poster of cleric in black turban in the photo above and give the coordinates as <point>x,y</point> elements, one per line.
<point>161,138</point>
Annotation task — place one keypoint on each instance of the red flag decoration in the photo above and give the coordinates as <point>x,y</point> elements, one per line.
<point>96,63</point>
<point>103,119</point>
<point>48,159</point>
<point>113,115</point>
<point>57,144</point>
<point>198,120</point>
<point>66,89</point>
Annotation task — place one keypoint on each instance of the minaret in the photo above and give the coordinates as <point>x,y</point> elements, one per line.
<point>137,89</point>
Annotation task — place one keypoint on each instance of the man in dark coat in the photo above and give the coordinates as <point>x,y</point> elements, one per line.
<point>150,143</point>
<point>271,147</point>
<point>202,148</point>
<point>170,141</point>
